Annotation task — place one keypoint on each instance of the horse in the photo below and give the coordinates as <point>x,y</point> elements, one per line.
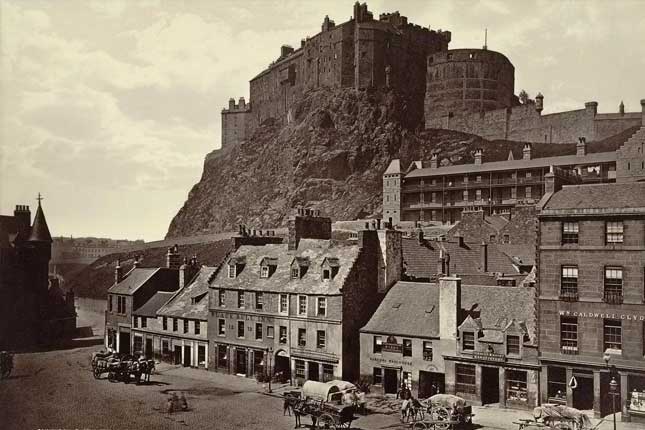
<point>146,368</point>
<point>411,409</point>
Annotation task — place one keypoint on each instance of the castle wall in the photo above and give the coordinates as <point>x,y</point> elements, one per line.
<point>610,124</point>
<point>234,126</point>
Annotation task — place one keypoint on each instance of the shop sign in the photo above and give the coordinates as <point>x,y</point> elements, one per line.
<point>628,317</point>
<point>388,361</point>
<point>392,347</point>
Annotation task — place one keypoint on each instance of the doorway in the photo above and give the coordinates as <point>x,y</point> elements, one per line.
<point>177,355</point>
<point>124,342</point>
<point>314,371</point>
<point>583,393</point>
<point>431,383</point>
<point>148,348</point>
<point>187,356</point>
<point>281,366</point>
<point>390,381</point>
<point>240,361</point>
<point>490,385</point>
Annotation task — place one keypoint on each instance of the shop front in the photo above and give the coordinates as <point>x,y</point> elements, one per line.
<point>312,366</point>
<point>238,359</point>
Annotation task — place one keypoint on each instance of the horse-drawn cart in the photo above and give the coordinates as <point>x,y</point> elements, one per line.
<point>121,368</point>
<point>559,417</point>
<point>324,403</point>
<point>442,411</point>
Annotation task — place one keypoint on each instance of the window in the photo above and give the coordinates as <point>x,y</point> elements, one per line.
<point>427,351</point>
<point>326,274</point>
<point>110,303</point>
<point>512,345</point>
<point>328,372</point>
<point>322,306</point>
<point>527,192</point>
<point>201,355</point>
<point>185,326</point>
<point>320,339</point>
<point>270,332</point>
<point>570,232</point>
<point>528,174</point>
<point>175,324</point>
<point>465,195</point>
<point>478,194</point>
<point>569,335</point>
<point>221,327</point>
<point>465,378</point>
<point>197,327</point>
<point>468,341</point>
<point>613,285</point>
<point>120,302</point>
<point>378,376</point>
<point>258,331</point>
<point>259,301</point>
<point>378,345</point>
<point>569,282</point>
<point>302,337</point>
<point>516,385</point>
<point>283,334</point>
<point>284,304</point>
<point>513,192</point>
<point>295,272</point>
<point>232,272</point>
<point>164,323</point>
<point>165,348</point>
<point>264,272</point>
<point>506,238</point>
<point>613,335</point>
<point>479,178</point>
<point>221,298</point>
<point>240,329</point>
<point>144,322</point>
<point>614,232</point>
<point>407,347</point>
<point>240,299</point>
<point>300,368</point>
<point>302,305</point>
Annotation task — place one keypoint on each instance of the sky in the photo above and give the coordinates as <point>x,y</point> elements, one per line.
<point>109,107</point>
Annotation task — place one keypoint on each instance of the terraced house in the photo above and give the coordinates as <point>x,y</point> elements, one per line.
<point>295,307</point>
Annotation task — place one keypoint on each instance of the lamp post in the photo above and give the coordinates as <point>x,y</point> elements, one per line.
<point>270,372</point>
<point>613,388</point>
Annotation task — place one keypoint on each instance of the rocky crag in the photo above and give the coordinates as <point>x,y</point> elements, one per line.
<point>330,157</point>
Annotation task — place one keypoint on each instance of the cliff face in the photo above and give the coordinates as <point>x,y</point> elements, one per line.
<point>330,157</point>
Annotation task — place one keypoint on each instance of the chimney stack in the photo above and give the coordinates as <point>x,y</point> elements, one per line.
<point>187,271</point>
<point>484,257</point>
<point>22,214</point>
<point>478,156</point>
<point>526,152</point>
<point>581,147</point>
<point>449,306</point>
<point>539,102</point>
<point>173,259</point>
<point>118,272</point>
<point>434,161</point>
<point>307,224</point>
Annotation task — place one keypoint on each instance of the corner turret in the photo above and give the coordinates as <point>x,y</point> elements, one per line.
<point>39,230</point>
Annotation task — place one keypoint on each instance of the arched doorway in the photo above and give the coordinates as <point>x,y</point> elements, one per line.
<point>282,367</point>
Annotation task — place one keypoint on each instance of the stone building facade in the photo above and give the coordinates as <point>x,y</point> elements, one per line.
<point>591,275</point>
<point>295,308</point>
<point>235,122</point>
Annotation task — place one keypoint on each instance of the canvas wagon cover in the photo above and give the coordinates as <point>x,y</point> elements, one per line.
<point>447,401</point>
<point>318,390</point>
<point>563,413</point>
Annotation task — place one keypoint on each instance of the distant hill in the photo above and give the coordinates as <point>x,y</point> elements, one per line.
<point>94,280</point>
<point>330,157</point>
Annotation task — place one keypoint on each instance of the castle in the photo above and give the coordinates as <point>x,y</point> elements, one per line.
<point>467,90</point>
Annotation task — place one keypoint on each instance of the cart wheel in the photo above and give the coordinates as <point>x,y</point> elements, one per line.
<point>419,426</point>
<point>97,373</point>
<point>442,414</point>
<point>327,422</point>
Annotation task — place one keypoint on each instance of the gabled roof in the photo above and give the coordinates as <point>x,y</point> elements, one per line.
<point>269,261</point>
<point>562,160</point>
<point>394,167</point>
<point>521,254</point>
<point>182,306</point>
<point>150,308</point>
<point>300,261</point>
<point>241,260</point>
<point>412,309</point>
<point>134,280</point>
<point>39,229</point>
<point>316,250</point>
<point>597,198</point>
<point>331,262</point>
<point>420,260</point>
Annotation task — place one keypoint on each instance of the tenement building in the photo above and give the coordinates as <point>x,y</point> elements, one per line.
<point>591,261</point>
<point>295,308</point>
<point>478,342</point>
<point>442,193</point>
<point>130,292</point>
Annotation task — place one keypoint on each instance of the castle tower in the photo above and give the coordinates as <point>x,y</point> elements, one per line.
<point>392,192</point>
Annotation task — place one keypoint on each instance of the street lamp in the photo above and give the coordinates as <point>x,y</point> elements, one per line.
<point>613,388</point>
<point>269,354</point>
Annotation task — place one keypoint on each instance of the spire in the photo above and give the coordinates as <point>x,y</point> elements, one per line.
<point>39,230</point>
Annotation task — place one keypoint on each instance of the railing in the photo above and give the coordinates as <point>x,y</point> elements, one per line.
<point>569,294</point>
<point>569,349</point>
<point>613,297</point>
<point>488,356</point>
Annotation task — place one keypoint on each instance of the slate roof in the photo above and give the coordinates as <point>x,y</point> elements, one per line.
<point>562,160</point>
<point>39,229</point>
<point>412,309</point>
<point>394,167</point>
<point>135,279</point>
<point>576,198</point>
<point>421,260</point>
<point>280,281</point>
<point>497,222</point>
<point>150,308</point>
<point>181,305</point>
<point>524,253</point>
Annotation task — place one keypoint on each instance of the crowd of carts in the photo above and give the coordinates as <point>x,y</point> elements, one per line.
<point>122,367</point>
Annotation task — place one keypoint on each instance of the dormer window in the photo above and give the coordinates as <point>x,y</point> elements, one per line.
<point>512,345</point>
<point>268,266</point>
<point>468,341</point>
<point>232,272</point>
<point>329,268</point>
<point>299,267</point>
<point>235,266</point>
